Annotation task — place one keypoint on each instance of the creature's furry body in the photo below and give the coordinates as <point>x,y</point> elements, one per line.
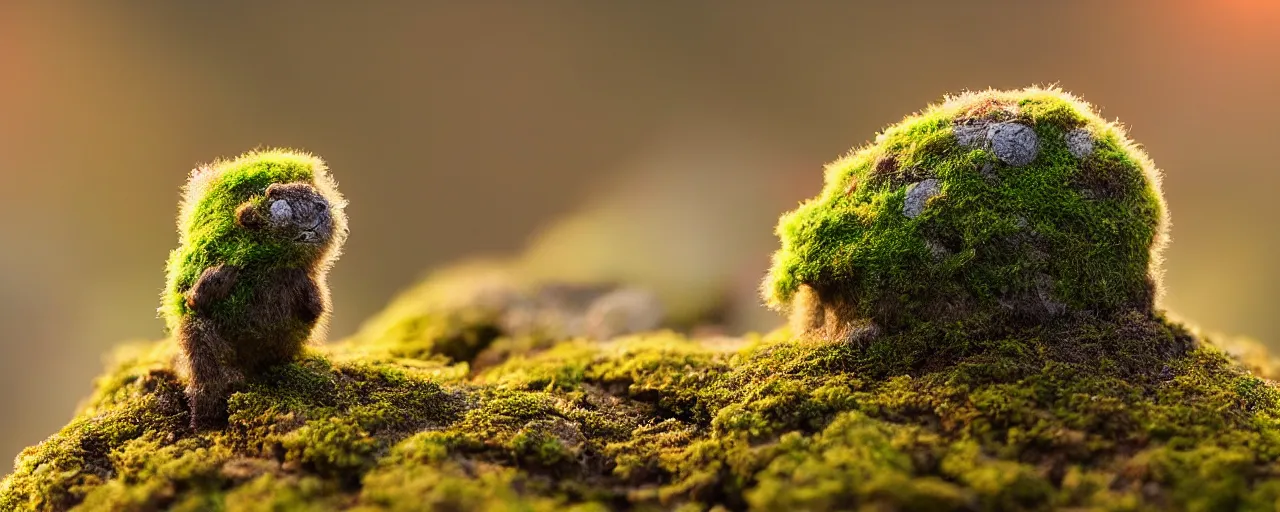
<point>246,285</point>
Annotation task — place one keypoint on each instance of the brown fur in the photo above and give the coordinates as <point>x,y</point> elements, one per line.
<point>286,304</point>
<point>277,308</point>
<point>829,316</point>
<point>214,284</point>
<point>210,363</point>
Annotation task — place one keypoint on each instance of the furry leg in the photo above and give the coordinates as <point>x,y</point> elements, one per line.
<point>209,359</point>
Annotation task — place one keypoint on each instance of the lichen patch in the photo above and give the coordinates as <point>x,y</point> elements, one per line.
<point>1079,142</point>
<point>972,134</point>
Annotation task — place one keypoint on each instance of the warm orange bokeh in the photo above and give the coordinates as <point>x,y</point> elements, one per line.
<point>1236,12</point>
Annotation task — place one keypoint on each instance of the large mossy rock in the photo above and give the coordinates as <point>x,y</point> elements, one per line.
<point>992,207</point>
<point>444,403</point>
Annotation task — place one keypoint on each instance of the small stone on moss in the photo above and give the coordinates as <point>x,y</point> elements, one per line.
<point>1015,144</point>
<point>918,196</point>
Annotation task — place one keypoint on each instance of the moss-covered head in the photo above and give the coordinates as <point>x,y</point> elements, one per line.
<point>1016,205</point>
<point>265,209</point>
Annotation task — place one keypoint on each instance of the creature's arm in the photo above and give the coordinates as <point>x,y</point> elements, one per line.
<point>213,285</point>
<point>308,302</point>
<point>311,303</point>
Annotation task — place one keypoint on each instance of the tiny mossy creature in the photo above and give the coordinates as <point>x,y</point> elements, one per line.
<point>246,286</point>
<point>991,208</point>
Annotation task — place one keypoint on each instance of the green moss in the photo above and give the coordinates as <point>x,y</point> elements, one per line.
<point>274,492</point>
<point>979,209</point>
<point>854,460</point>
<point>1136,414</point>
<point>440,403</point>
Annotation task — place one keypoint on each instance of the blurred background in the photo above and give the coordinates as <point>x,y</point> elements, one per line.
<point>655,141</point>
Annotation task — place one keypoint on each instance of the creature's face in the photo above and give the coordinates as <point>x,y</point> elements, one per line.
<point>292,212</point>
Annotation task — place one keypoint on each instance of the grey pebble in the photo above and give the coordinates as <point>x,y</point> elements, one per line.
<point>1014,144</point>
<point>918,194</point>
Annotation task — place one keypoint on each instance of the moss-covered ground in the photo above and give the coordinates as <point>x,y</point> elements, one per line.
<point>439,405</point>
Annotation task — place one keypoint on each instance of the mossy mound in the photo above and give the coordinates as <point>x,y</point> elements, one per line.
<point>994,207</point>
<point>1137,415</point>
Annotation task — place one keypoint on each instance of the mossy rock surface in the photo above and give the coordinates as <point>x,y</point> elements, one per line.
<point>1136,414</point>
<point>996,207</point>
<point>976,331</point>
